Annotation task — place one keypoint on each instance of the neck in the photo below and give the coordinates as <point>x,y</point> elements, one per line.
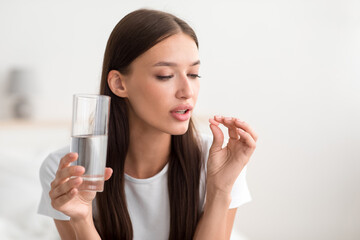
<point>148,152</point>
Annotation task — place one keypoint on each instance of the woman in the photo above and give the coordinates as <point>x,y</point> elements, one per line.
<point>158,168</point>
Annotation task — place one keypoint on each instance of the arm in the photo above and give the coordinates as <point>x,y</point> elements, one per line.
<point>217,220</point>
<point>223,167</point>
<point>65,229</point>
<point>84,230</point>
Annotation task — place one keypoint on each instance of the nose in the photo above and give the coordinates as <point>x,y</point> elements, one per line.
<point>185,88</point>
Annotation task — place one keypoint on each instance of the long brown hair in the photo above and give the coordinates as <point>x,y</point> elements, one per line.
<point>133,35</point>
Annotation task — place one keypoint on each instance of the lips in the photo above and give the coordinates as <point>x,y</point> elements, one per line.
<point>182,112</point>
<point>182,108</point>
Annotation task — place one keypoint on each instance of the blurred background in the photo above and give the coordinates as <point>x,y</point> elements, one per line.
<point>291,68</point>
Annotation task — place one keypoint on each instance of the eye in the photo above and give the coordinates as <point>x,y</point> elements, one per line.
<point>160,77</point>
<point>194,76</point>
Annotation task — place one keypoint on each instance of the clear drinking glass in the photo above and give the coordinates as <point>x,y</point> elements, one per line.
<point>89,138</point>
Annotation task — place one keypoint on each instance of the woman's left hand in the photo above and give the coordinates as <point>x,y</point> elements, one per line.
<point>225,164</point>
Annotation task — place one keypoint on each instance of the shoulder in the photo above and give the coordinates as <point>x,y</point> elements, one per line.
<point>205,141</point>
<point>51,162</point>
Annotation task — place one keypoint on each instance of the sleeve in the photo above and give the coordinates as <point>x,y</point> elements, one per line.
<point>47,175</point>
<point>240,192</point>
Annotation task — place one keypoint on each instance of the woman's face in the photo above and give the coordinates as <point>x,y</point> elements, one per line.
<point>163,85</point>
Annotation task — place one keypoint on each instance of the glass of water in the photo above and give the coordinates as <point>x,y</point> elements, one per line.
<point>89,137</point>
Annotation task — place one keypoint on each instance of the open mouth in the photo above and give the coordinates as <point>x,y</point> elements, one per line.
<point>182,111</point>
<point>181,115</point>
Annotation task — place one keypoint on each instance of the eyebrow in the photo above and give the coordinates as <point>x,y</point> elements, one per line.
<point>172,64</point>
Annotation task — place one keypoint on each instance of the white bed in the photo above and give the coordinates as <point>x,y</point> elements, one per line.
<point>23,146</point>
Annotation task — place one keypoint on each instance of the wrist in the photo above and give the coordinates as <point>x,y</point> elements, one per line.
<point>217,190</point>
<point>216,196</point>
<point>82,224</point>
<point>82,221</point>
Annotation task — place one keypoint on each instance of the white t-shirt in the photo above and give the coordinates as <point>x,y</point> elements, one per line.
<point>147,199</point>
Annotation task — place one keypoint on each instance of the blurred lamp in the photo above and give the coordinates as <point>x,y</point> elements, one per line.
<point>20,89</point>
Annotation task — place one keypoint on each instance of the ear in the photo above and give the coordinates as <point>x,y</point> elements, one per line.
<point>116,83</point>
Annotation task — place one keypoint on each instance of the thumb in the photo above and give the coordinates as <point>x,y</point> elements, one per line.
<point>218,136</point>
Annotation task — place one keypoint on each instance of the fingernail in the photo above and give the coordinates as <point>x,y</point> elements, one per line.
<point>238,120</point>
<point>72,154</point>
<point>218,116</point>
<point>228,118</point>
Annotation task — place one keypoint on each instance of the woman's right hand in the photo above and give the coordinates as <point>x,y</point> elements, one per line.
<point>65,195</point>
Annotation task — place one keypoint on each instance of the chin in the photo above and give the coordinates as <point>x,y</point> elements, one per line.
<point>179,130</point>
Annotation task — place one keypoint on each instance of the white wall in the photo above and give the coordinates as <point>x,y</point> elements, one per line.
<point>289,68</point>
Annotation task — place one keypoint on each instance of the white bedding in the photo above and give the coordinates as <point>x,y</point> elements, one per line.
<point>20,192</point>
<point>22,149</point>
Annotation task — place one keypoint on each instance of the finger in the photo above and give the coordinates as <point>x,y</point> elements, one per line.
<point>219,118</point>
<point>108,173</point>
<point>65,187</point>
<point>64,174</point>
<point>67,160</point>
<point>70,171</point>
<point>238,124</point>
<point>246,127</point>
<point>60,201</point>
<point>212,121</point>
<point>246,138</point>
<point>229,123</point>
<point>218,137</point>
